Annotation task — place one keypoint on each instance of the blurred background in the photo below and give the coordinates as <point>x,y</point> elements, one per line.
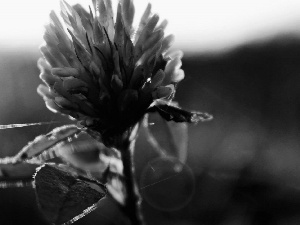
<point>242,64</point>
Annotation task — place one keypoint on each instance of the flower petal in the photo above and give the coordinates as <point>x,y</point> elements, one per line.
<point>157,79</point>
<point>128,15</point>
<point>45,92</point>
<point>145,34</point>
<point>65,103</point>
<point>163,92</point>
<point>143,22</point>
<point>65,72</point>
<point>172,71</point>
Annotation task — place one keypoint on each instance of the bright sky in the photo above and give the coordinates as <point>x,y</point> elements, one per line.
<point>199,25</point>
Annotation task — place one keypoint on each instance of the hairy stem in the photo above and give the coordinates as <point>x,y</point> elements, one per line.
<point>132,202</point>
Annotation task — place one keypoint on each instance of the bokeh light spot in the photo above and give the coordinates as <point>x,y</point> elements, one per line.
<point>167,184</point>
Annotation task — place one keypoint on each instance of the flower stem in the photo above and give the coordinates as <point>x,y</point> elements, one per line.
<point>133,200</point>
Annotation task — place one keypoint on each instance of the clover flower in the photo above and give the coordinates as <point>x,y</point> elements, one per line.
<point>107,74</point>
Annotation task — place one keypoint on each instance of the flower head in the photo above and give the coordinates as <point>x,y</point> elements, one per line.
<point>106,74</point>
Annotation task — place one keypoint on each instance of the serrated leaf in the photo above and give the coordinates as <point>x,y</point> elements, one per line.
<point>62,196</point>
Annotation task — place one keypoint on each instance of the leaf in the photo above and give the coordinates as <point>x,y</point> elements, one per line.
<point>117,189</point>
<point>63,196</point>
<point>115,182</point>
<point>45,142</point>
<point>18,171</point>
<point>16,174</point>
<point>173,113</point>
<point>152,140</point>
<point>114,179</point>
<point>167,138</point>
<point>15,184</point>
<point>172,140</point>
<point>87,154</point>
<point>178,133</point>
